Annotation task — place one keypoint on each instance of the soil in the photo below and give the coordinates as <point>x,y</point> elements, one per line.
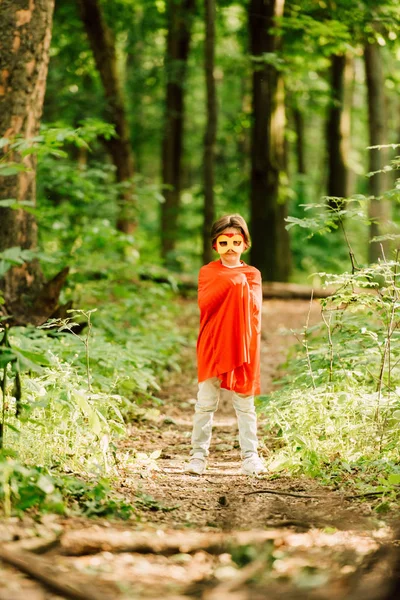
<point>221,536</point>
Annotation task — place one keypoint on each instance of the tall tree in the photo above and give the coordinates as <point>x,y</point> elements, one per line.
<point>102,42</point>
<point>211,128</point>
<point>270,250</point>
<point>337,167</point>
<point>379,208</point>
<point>180,16</point>
<point>298,118</point>
<point>25,33</point>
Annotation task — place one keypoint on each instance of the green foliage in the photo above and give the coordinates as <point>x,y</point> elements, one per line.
<point>314,250</point>
<point>337,416</point>
<point>37,489</point>
<point>77,387</point>
<point>23,487</point>
<point>147,502</point>
<point>69,386</point>
<point>93,499</point>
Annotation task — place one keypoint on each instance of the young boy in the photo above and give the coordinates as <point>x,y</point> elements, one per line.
<point>228,346</point>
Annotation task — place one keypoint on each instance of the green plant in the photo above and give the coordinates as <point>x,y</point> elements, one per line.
<point>337,413</point>
<point>24,487</point>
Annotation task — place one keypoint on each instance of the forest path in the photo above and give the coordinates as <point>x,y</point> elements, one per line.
<point>211,537</point>
<point>320,538</point>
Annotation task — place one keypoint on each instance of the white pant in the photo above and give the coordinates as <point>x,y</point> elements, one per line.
<point>206,405</point>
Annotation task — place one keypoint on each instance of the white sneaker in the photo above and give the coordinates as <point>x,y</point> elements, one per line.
<point>253,465</point>
<point>197,464</point>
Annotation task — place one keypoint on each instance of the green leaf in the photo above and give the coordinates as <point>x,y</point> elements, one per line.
<point>6,356</point>
<point>16,204</point>
<point>35,357</point>
<point>9,169</point>
<point>12,427</point>
<point>394,479</point>
<point>89,411</point>
<point>45,484</point>
<point>16,255</point>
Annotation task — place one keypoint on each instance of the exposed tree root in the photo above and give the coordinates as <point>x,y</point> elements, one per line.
<point>82,542</point>
<point>70,585</point>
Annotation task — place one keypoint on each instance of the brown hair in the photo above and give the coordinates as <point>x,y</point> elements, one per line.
<point>230,221</point>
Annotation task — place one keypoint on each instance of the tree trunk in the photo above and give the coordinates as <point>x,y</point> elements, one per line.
<point>379,208</point>
<point>103,47</point>
<point>180,14</point>
<point>300,139</point>
<point>270,250</point>
<point>346,124</point>
<point>25,34</point>
<point>300,179</point>
<point>337,169</point>
<point>211,129</point>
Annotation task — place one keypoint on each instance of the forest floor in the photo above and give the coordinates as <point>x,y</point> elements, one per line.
<point>221,536</point>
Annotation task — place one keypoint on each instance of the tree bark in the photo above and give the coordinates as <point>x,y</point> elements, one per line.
<point>300,153</point>
<point>102,42</point>
<point>180,14</point>
<point>211,129</point>
<point>270,250</point>
<point>300,139</point>
<point>25,35</point>
<point>76,586</point>
<point>379,208</point>
<point>337,169</point>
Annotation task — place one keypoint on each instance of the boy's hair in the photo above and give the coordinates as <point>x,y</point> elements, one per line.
<point>230,221</point>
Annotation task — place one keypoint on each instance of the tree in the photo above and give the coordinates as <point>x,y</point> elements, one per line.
<point>25,34</point>
<point>180,15</point>
<point>270,250</point>
<point>211,128</point>
<point>335,134</point>
<point>103,46</point>
<point>379,208</point>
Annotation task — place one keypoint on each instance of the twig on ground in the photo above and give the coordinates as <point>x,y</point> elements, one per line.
<point>282,493</point>
<point>363,495</point>
<point>200,478</point>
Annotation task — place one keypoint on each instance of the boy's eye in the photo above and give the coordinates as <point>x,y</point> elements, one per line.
<point>223,243</point>
<point>236,243</point>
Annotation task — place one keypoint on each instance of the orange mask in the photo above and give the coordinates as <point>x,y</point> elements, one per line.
<point>229,241</point>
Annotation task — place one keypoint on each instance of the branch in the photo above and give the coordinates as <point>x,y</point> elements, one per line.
<point>69,585</point>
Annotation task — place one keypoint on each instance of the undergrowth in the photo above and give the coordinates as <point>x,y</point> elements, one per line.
<point>336,414</point>
<point>70,386</point>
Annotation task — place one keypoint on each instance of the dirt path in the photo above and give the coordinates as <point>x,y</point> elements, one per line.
<point>214,537</point>
<point>323,537</point>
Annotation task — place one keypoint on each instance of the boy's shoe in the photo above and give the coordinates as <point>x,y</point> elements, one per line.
<point>197,464</point>
<point>253,465</point>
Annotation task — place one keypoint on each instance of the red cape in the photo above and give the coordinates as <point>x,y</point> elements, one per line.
<point>228,346</point>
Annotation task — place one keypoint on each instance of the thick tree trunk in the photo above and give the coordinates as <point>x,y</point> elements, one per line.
<point>211,129</point>
<point>270,250</point>
<point>379,208</point>
<point>337,169</point>
<point>180,14</point>
<point>25,35</point>
<point>103,47</point>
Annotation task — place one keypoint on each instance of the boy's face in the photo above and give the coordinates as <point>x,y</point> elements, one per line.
<point>230,244</point>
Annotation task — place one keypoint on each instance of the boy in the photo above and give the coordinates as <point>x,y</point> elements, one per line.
<point>228,346</point>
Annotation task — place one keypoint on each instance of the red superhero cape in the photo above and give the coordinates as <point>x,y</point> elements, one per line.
<point>228,346</point>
